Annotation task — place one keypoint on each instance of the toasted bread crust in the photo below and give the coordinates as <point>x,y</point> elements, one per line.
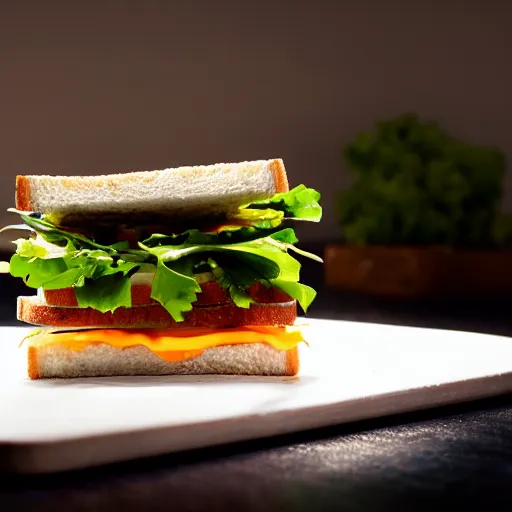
<point>33,311</point>
<point>23,198</point>
<point>32,363</point>
<point>280,177</point>
<point>211,294</point>
<point>292,362</point>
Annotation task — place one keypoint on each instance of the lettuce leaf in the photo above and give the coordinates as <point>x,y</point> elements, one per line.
<point>260,218</point>
<point>235,277</point>
<point>235,267</point>
<point>36,272</point>
<point>52,234</point>
<point>240,297</point>
<point>58,237</point>
<point>253,253</point>
<point>68,278</point>
<point>232,235</point>
<point>175,288</point>
<point>106,293</point>
<point>300,203</point>
<point>302,293</point>
<point>58,270</point>
<point>26,248</point>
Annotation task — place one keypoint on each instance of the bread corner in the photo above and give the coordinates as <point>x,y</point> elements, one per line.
<point>23,195</point>
<point>292,364</point>
<point>279,173</point>
<point>32,363</point>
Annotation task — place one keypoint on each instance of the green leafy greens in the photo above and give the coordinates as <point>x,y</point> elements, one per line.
<point>416,184</point>
<point>300,203</point>
<point>236,257</point>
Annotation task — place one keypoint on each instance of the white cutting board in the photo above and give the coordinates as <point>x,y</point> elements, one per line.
<point>351,371</point>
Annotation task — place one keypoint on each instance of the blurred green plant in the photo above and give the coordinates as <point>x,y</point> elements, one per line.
<point>415,184</point>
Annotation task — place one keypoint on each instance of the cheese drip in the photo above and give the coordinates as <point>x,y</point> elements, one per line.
<point>173,345</point>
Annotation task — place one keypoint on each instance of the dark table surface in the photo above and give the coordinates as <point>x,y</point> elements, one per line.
<point>454,455</point>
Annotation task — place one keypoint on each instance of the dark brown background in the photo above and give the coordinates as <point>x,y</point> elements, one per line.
<point>141,85</point>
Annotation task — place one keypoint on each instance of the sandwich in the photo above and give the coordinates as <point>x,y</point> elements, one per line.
<point>191,270</point>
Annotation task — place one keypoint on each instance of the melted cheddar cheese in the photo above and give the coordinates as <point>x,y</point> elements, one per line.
<point>175,345</point>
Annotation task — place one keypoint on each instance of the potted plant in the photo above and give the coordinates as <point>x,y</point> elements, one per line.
<point>421,216</point>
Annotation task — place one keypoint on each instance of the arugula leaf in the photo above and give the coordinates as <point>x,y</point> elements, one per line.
<point>299,203</point>
<point>106,293</point>
<point>175,288</point>
<point>302,293</point>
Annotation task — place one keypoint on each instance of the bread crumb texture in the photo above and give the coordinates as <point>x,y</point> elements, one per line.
<point>216,188</point>
<point>103,360</point>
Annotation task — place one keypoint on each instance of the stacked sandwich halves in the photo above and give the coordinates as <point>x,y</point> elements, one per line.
<point>178,271</point>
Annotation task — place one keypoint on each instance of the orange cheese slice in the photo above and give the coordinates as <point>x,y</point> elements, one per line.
<point>173,345</point>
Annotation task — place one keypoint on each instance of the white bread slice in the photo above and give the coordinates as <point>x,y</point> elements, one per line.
<point>101,360</point>
<point>203,189</point>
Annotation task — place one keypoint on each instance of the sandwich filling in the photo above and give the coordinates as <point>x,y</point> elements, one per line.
<point>212,294</point>
<point>244,258</point>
